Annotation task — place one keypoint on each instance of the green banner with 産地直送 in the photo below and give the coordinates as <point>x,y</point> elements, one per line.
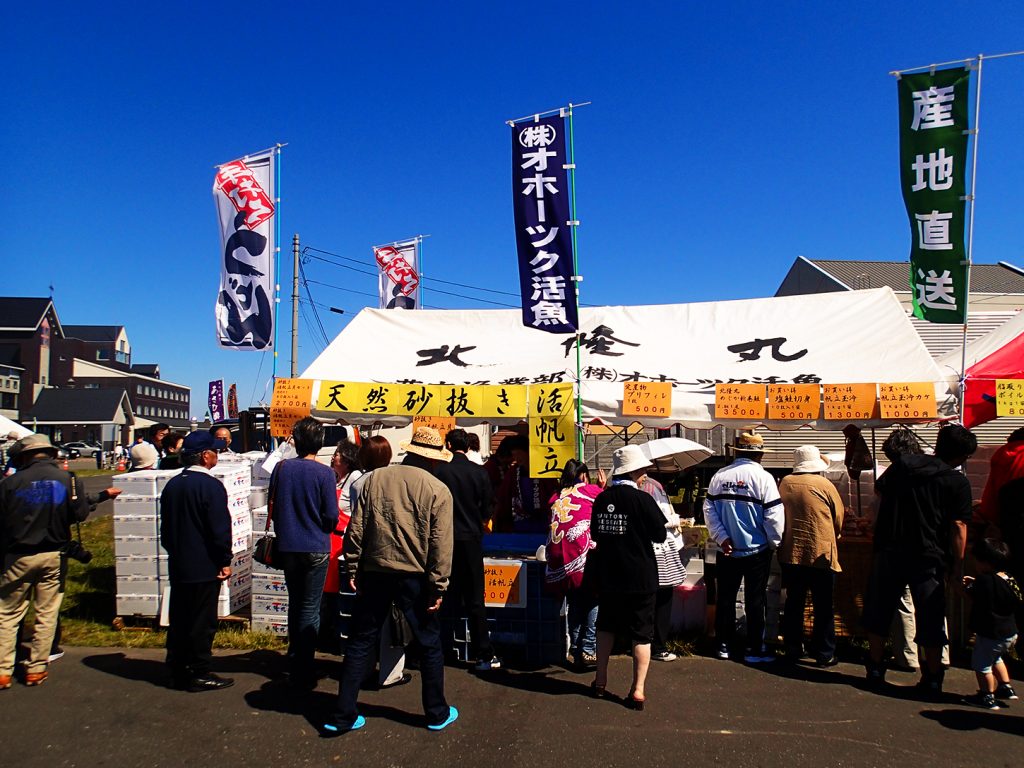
<point>933,161</point>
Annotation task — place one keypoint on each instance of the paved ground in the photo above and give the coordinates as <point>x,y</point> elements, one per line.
<point>108,707</point>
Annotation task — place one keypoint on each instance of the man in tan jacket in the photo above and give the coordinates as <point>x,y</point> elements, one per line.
<point>809,554</point>
<point>398,550</point>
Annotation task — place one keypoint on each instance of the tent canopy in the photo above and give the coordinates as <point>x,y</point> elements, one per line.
<point>836,338</point>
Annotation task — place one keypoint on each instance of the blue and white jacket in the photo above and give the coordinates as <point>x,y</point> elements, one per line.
<point>743,505</point>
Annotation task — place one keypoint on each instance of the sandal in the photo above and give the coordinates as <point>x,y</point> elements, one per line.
<point>597,691</point>
<point>632,702</point>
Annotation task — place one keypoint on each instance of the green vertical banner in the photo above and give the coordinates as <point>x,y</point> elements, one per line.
<point>933,161</point>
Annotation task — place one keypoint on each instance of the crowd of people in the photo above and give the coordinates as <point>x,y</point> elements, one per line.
<point>405,539</point>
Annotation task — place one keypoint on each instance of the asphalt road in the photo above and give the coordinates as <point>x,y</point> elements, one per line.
<point>109,707</point>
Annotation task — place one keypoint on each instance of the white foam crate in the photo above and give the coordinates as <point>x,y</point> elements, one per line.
<point>241,543</point>
<point>238,503</point>
<point>141,566</point>
<point>232,604</point>
<point>137,546</point>
<point>137,525</point>
<point>140,585</point>
<point>241,526</point>
<point>142,605</point>
<point>235,477</point>
<point>276,625</point>
<point>258,496</point>
<point>146,482</point>
<point>130,505</point>
<point>270,605</point>
<point>241,561</point>
<point>259,520</point>
<point>269,584</point>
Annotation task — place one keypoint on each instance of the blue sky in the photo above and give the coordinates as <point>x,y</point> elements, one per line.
<point>724,140</point>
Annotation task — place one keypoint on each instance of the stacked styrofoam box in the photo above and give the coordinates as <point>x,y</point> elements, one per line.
<point>140,563</point>
<point>269,592</point>
<point>236,590</point>
<point>234,471</point>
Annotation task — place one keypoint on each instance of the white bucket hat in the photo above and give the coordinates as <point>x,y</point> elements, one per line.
<point>629,458</point>
<point>807,458</point>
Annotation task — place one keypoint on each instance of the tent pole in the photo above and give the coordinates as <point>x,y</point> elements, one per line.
<point>970,236</point>
<point>277,249</point>
<point>574,223</point>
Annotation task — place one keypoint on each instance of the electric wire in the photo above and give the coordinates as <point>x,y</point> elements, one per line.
<point>316,315</point>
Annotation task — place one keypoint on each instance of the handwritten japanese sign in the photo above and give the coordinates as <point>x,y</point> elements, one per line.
<point>443,424</point>
<point>850,402</point>
<point>460,401</point>
<point>550,399</point>
<point>290,402</point>
<point>1009,397</point>
<point>418,400</point>
<point>740,401</point>
<point>341,396</point>
<point>509,401</point>
<point>647,398</point>
<point>547,459</point>
<point>914,400</point>
<point>794,402</point>
<point>504,583</point>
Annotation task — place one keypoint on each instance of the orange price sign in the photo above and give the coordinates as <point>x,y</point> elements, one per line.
<point>909,400</point>
<point>739,401</point>
<point>291,401</point>
<point>794,402</point>
<point>504,583</point>
<point>1010,397</point>
<point>647,398</point>
<point>851,402</point>
<point>443,424</point>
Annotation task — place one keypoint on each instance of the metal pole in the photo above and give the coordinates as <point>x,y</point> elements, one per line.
<point>295,305</point>
<point>277,251</point>
<point>574,224</point>
<point>970,236</point>
<point>955,61</point>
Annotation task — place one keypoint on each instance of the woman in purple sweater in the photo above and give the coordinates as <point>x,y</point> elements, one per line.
<point>304,508</point>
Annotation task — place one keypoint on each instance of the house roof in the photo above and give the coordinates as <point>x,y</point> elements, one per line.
<point>147,369</point>
<point>23,313</point>
<point>985,278</point>
<point>95,333</point>
<point>79,406</point>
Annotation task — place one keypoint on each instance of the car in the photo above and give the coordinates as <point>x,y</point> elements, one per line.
<point>83,449</point>
<point>66,452</point>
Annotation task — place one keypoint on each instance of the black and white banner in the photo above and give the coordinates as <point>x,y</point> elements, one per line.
<point>540,200</point>
<point>399,277</point>
<point>243,191</point>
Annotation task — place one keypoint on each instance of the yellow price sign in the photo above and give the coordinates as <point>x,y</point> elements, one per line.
<point>1010,397</point>
<point>739,401</point>
<point>850,402</point>
<point>794,402</point>
<point>503,401</point>
<point>647,398</point>
<point>291,401</point>
<point>907,400</point>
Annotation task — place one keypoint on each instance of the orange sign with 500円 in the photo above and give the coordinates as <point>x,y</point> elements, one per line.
<point>504,583</point>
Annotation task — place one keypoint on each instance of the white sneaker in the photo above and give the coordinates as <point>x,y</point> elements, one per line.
<point>664,656</point>
<point>54,656</point>
<point>487,666</point>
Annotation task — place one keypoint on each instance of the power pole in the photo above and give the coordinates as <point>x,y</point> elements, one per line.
<point>295,305</point>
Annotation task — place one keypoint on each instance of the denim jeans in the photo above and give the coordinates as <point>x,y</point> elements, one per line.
<point>582,620</point>
<point>304,574</point>
<point>372,608</point>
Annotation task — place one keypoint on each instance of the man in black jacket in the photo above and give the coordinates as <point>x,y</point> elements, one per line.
<point>473,503</point>
<point>920,535</point>
<point>37,506</point>
<point>195,529</point>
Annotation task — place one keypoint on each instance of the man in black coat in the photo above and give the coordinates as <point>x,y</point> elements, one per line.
<point>195,529</point>
<point>473,503</point>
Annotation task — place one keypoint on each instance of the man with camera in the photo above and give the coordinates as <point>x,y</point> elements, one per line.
<point>37,506</point>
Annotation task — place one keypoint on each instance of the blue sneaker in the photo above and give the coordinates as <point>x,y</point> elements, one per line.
<point>453,715</point>
<point>334,730</point>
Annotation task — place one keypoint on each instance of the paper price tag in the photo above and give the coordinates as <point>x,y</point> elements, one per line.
<point>740,401</point>
<point>647,398</point>
<point>1010,397</point>
<point>794,402</point>
<point>850,402</point>
<point>291,401</point>
<point>907,401</point>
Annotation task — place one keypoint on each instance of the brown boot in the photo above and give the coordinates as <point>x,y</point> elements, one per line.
<point>35,678</point>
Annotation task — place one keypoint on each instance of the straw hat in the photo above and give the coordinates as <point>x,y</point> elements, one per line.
<point>144,456</point>
<point>427,442</point>
<point>32,443</point>
<point>749,442</point>
<point>807,458</point>
<point>628,458</point>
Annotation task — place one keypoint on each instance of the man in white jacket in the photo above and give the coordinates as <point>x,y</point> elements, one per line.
<point>744,516</point>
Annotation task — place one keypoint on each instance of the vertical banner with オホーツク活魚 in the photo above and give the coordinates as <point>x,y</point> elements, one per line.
<point>243,192</point>
<point>933,161</point>
<point>215,400</point>
<point>399,276</point>
<point>540,202</point>
<point>551,410</point>
<point>291,401</point>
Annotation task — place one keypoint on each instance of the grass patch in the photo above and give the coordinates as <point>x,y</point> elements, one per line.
<point>96,472</point>
<point>89,607</point>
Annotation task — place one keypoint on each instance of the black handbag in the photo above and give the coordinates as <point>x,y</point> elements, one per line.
<point>266,551</point>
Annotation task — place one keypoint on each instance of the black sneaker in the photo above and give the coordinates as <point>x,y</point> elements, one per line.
<point>982,700</point>
<point>874,674</point>
<point>209,682</point>
<point>1005,692</point>
<point>930,686</point>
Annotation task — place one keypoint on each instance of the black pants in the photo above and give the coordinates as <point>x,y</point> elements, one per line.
<point>662,617</point>
<point>410,593</point>
<point>798,580</point>
<point>753,571</point>
<point>193,616</point>
<point>467,588</point>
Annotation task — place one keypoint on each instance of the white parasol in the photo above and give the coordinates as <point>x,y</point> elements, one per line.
<point>674,454</point>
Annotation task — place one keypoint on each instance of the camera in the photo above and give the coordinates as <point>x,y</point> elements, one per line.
<point>76,551</point>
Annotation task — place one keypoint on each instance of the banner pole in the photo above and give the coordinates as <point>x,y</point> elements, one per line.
<point>970,235</point>
<point>574,223</point>
<point>277,249</point>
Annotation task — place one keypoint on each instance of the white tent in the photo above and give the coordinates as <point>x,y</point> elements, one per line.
<point>7,426</point>
<point>835,338</point>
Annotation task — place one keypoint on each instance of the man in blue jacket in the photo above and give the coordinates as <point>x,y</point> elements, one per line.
<point>195,529</point>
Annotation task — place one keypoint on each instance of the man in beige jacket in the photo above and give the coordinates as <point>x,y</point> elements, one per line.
<point>398,549</point>
<point>809,554</point>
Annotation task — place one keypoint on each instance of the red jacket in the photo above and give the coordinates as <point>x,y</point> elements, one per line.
<point>1007,464</point>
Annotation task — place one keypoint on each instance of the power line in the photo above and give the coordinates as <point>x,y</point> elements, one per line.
<point>302,272</point>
